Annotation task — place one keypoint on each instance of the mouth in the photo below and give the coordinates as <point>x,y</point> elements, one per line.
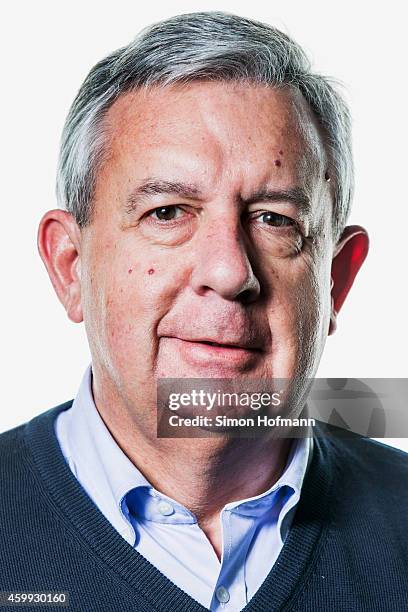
<point>203,352</point>
<point>222,345</point>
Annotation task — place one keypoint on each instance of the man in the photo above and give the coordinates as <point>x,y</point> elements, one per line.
<point>205,180</point>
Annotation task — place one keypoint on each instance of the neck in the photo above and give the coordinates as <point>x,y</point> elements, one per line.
<point>202,474</point>
<point>206,474</point>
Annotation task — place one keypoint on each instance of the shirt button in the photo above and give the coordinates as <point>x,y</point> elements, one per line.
<point>165,508</point>
<point>222,594</point>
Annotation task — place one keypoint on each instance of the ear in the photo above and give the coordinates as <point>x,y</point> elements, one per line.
<point>59,241</point>
<point>350,252</point>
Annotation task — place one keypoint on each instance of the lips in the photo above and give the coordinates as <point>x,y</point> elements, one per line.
<point>225,344</point>
<point>202,356</point>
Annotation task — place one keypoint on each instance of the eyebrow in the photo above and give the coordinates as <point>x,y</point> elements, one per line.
<point>294,195</point>
<point>152,187</point>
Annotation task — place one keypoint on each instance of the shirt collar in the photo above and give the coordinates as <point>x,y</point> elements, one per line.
<point>96,459</point>
<point>291,478</point>
<point>109,475</point>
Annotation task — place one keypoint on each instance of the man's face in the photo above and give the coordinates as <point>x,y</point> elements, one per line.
<point>212,224</point>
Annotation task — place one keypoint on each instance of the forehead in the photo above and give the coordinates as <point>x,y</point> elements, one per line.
<point>218,130</point>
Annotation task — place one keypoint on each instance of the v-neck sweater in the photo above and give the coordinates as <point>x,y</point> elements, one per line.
<point>347,549</point>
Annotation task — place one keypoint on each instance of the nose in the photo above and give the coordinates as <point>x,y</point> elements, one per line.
<point>222,264</point>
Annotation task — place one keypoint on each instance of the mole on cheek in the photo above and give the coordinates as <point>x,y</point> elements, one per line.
<point>281,152</point>
<point>150,271</point>
<point>130,270</point>
<point>277,162</point>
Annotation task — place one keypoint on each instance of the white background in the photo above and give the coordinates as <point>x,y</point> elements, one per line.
<point>47,48</point>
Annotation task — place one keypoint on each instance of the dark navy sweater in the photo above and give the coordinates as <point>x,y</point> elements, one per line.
<point>347,550</point>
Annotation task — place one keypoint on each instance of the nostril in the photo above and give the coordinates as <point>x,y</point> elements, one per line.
<point>247,296</point>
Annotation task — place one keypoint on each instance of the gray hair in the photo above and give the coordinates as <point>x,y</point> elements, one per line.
<point>198,46</point>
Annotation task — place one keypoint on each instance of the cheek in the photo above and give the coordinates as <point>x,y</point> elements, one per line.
<point>312,312</point>
<point>129,304</point>
<point>301,304</point>
<point>133,296</point>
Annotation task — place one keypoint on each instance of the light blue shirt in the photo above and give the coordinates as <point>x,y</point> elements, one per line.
<point>165,532</point>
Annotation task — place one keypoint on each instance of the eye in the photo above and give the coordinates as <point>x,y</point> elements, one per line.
<point>275,219</point>
<point>166,213</point>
